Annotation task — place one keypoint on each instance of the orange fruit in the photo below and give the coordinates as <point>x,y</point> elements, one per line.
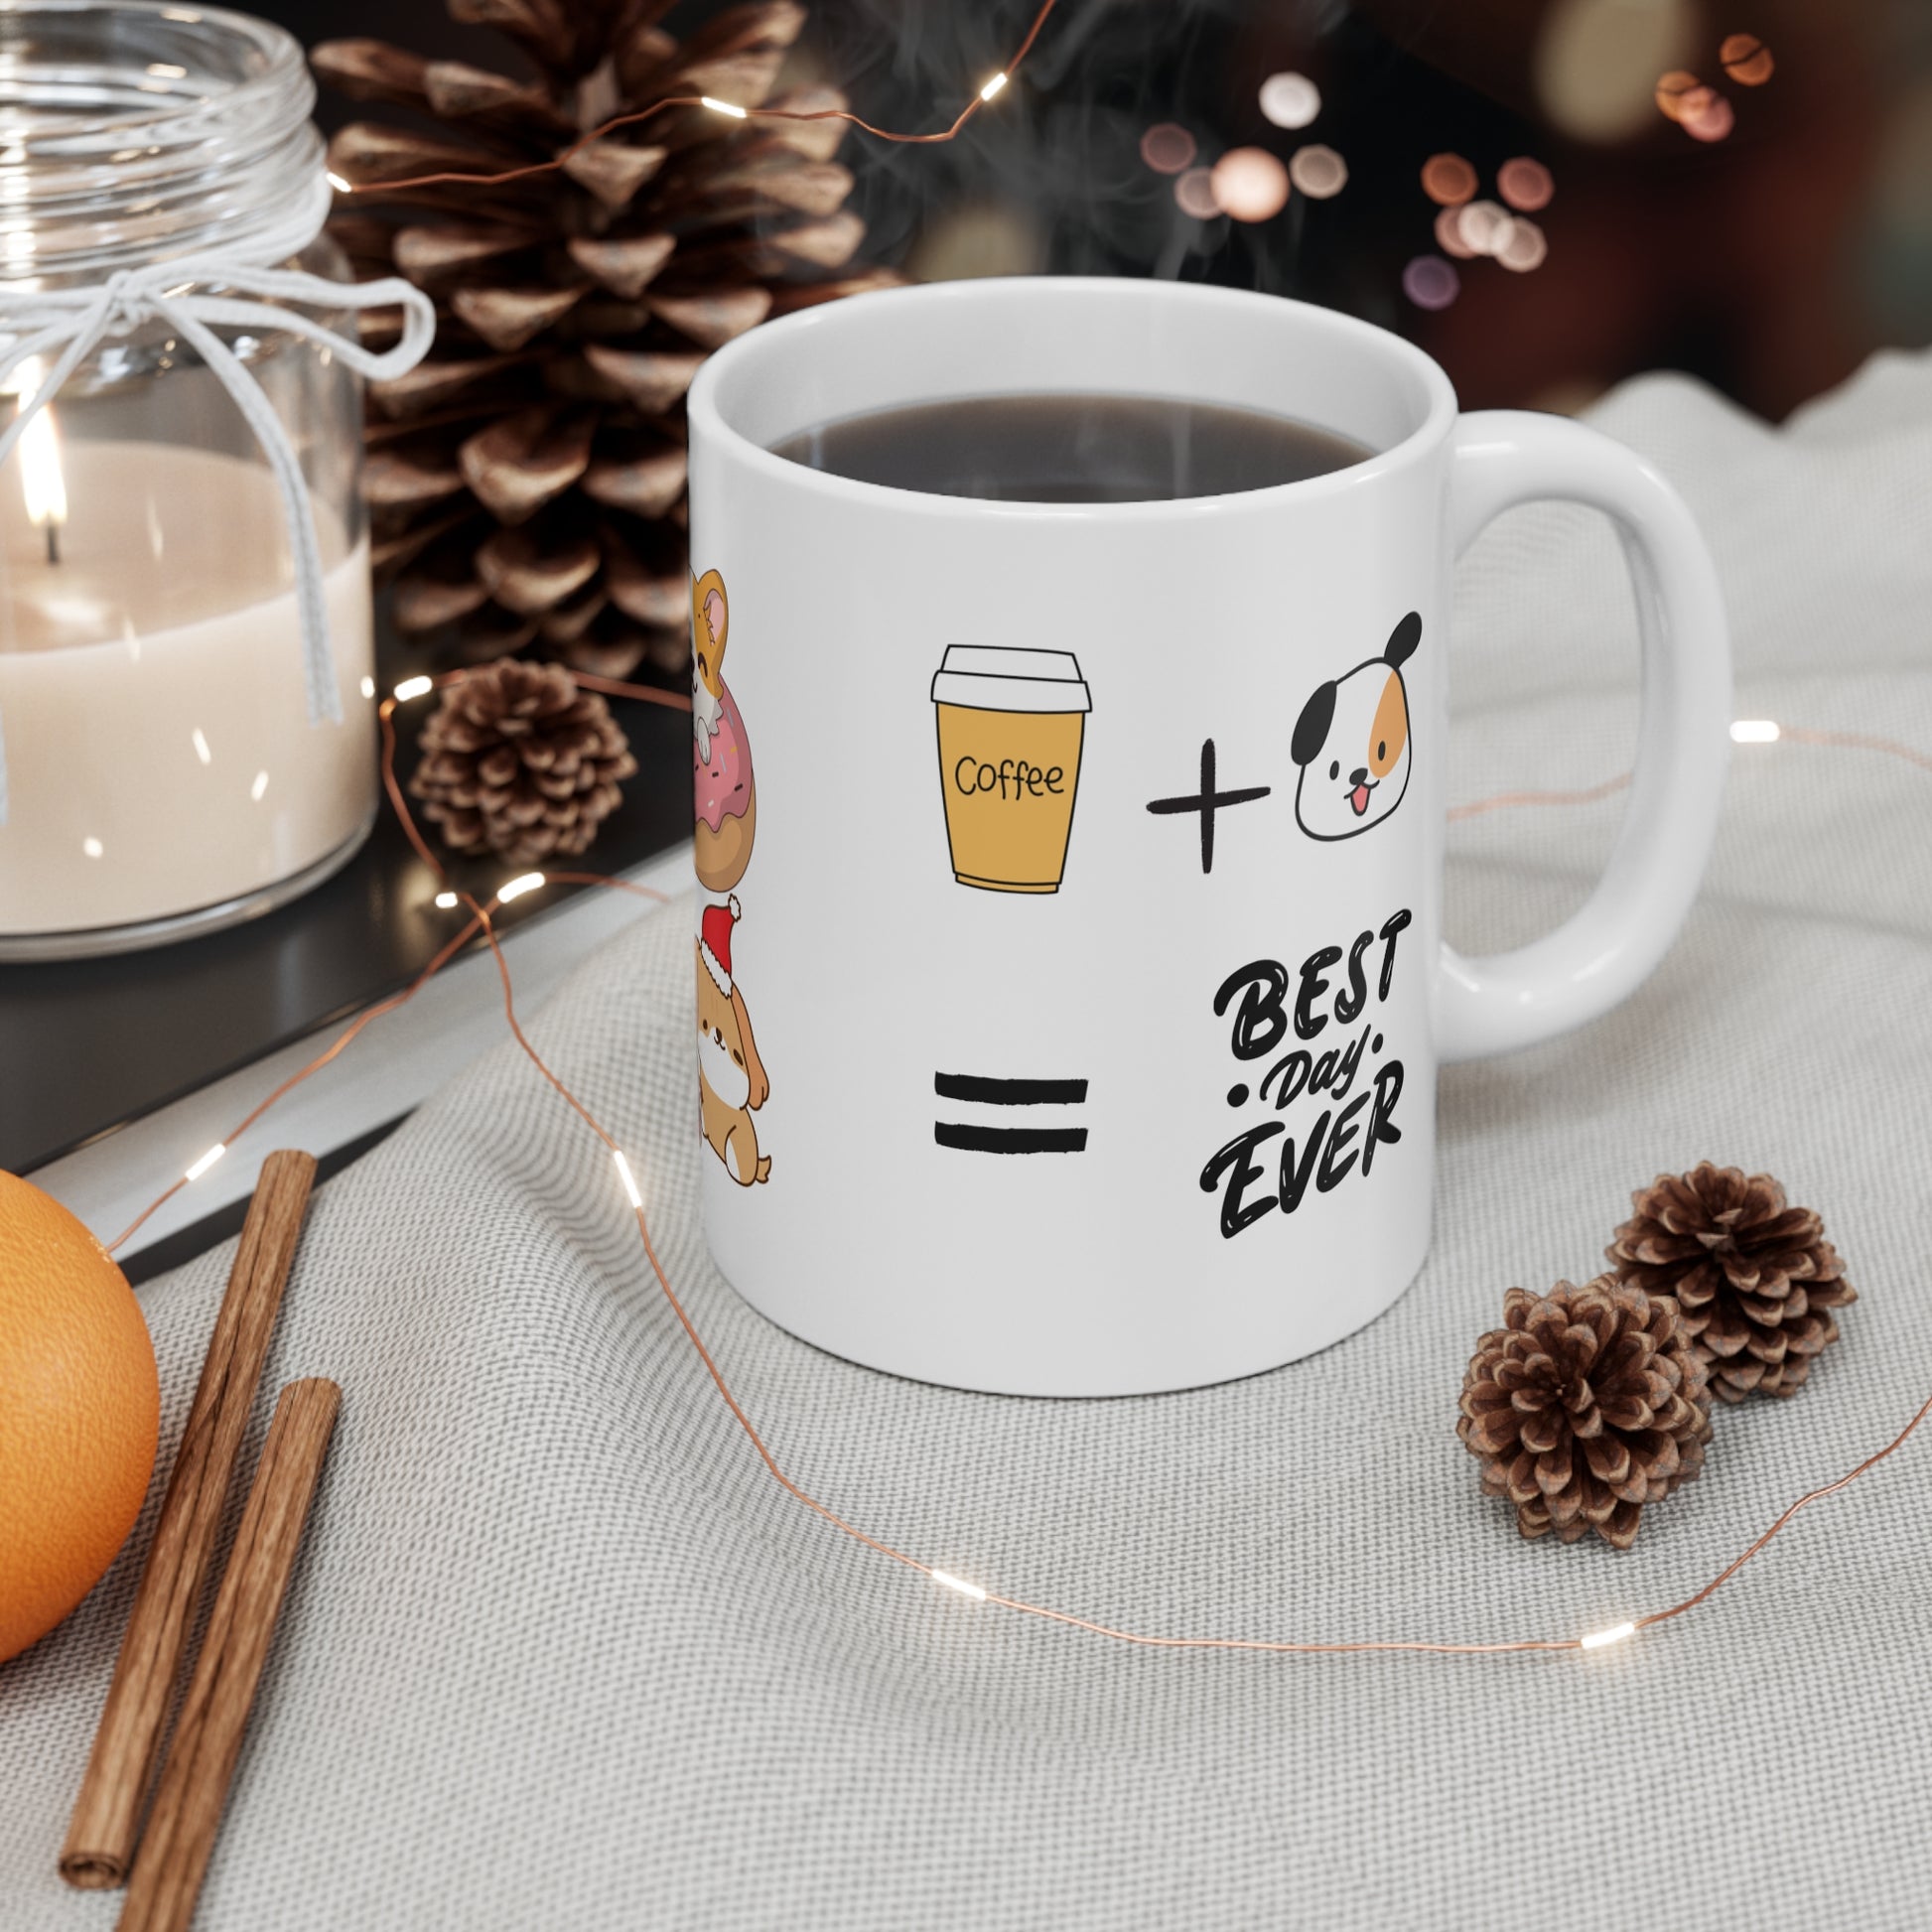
<point>80,1413</point>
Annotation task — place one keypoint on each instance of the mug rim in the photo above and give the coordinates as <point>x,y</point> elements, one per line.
<point>707,419</point>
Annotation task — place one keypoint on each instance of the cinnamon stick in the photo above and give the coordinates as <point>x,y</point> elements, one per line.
<point>194,1787</point>
<point>107,1814</point>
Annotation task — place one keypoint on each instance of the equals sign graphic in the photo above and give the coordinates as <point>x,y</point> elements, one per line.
<point>975,1138</point>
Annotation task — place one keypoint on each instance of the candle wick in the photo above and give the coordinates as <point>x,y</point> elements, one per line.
<point>52,541</point>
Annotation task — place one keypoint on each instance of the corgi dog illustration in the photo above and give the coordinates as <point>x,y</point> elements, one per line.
<point>1351,742</point>
<point>730,1077</point>
<point>710,626</point>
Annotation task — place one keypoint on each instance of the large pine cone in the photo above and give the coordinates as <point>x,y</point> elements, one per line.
<point>1756,1280</point>
<point>1585,1405</point>
<point>527,481</point>
<point>520,762</point>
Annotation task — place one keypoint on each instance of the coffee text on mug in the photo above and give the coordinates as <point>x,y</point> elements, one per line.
<point>1012,778</point>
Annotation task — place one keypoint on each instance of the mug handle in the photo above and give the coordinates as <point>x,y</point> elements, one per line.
<point>1598,956</point>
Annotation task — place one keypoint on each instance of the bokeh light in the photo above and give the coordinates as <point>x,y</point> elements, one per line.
<point>1249,184</point>
<point>978,239</point>
<point>1525,184</point>
<point>1485,228</point>
<point>1317,172</point>
<point>1595,62</point>
<point>1168,147</point>
<point>1431,283</point>
<point>1448,179</point>
<point>1290,99</point>
<point>1449,233</point>
<point>1673,89</point>
<point>1525,247</point>
<point>1709,119</point>
<point>1194,190</point>
<point>1746,60</point>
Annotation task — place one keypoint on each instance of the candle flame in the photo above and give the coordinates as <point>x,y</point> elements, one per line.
<point>42,481</point>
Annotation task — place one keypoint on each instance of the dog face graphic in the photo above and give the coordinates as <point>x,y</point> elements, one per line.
<point>1351,742</point>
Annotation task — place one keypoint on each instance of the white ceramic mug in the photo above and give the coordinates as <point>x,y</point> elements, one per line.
<point>1021,1069</point>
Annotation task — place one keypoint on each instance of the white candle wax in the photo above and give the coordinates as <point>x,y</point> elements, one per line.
<point>159,752</point>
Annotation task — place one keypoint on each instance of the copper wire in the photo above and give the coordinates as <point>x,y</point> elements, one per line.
<point>1506,801</point>
<point>632,119</point>
<point>481,921</point>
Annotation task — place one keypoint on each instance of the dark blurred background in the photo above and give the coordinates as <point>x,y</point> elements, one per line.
<point>1770,258</point>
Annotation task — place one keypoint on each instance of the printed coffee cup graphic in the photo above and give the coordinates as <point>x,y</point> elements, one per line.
<point>1011,722</point>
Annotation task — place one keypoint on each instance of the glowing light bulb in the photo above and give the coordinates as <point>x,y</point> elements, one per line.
<point>1431,283</point>
<point>1746,60</point>
<point>992,86</point>
<point>207,1160</point>
<point>444,901</point>
<point>1614,1634</point>
<point>1290,99</point>
<point>1756,731</point>
<point>1168,147</point>
<point>947,1580</point>
<point>724,107</point>
<point>1194,193</point>
<point>1707,115</point>
<point>1317,172</point>
<point>526,882</point>
<point>413,687</point>
<point>1448,180</point>
<point>1524,247</point>
<point>1249,184</point>
<point>336,182</point>
<point>629,1178</point>
<point>1526,185</point>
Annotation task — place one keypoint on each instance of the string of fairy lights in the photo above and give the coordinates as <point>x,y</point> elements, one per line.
<point>1244,184</point>
<point>1249,184</point>
<point>482,923</point>
<point>730,110</point>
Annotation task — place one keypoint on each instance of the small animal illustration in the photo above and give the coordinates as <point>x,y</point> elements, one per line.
<point>730,1077</point>
<point>710,625</point>
<point>724,790</point>
<point>1351,742</point>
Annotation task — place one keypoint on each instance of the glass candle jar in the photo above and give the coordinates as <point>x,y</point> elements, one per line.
<point>168,769</point>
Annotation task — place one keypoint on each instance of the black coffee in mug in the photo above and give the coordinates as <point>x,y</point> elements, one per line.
<point>1071,449</point>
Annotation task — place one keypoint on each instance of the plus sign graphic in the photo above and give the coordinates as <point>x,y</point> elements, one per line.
<point>1207,801</point>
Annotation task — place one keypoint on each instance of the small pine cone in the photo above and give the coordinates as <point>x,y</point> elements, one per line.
<point>1756,1280</point>
<point>1586,1404</point>
<point>520,762</point>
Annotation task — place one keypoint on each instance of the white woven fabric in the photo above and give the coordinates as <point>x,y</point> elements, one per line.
<point>561,1654</point>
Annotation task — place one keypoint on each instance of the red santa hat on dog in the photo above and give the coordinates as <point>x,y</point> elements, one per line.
<point>715,941</point>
